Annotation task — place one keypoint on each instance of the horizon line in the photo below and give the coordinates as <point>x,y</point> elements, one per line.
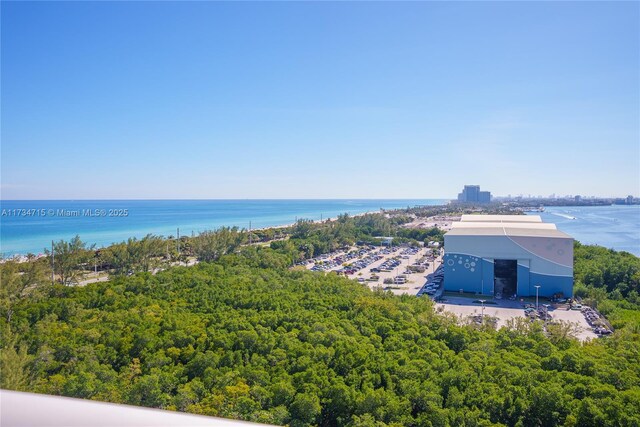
<point>223,199</point>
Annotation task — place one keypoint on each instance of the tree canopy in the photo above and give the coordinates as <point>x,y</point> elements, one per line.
<point>246,337</point>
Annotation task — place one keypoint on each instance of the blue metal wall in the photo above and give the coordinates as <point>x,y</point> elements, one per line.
<point>465,272</point>
<point>523,288</point>
<point>487,277</point>
<point>474,274</point>
<point>550,285</point>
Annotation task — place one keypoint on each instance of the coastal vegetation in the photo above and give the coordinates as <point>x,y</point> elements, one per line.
<point>67,258</point>
<point>609,281</point>
<point>243,335</point>
<point>74,261</point>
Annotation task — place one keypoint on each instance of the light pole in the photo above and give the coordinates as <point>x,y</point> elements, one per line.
<point>482,318</point>
<point>53,268</point>
<point>537,288</point>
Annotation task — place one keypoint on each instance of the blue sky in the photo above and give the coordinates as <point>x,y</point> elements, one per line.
<point>319,100</point>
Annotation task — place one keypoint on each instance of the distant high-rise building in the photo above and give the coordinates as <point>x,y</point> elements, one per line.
<point>472,194</point>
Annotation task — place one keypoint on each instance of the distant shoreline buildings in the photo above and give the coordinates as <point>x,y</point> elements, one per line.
<point>472,195</point>
<point>566,201</point>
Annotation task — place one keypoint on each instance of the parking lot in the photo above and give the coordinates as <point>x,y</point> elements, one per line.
<point>504,310</point>
<point>401,270</point>
<point>434,286</point>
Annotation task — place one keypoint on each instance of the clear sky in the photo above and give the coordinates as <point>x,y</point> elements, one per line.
<point>319,100</point>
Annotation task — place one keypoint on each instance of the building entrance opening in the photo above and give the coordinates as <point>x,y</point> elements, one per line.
<point>505,278</point>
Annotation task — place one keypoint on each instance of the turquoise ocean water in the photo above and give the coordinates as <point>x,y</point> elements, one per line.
<point>41,222</point>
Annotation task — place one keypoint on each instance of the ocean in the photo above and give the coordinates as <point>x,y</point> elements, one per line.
<point>30,226</point>
<point>616,226</point>
<point>102,222</point>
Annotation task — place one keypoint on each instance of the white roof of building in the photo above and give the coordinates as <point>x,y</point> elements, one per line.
<point>486,224</point>
<point>501,218</point>
<point>508,231</point>
<point>505,225</point>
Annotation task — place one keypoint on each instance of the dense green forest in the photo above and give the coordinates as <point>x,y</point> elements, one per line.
<point>247,337</point>
<point>609,281</point>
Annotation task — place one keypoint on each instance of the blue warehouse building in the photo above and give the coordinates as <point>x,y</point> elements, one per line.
<point>508,255</point>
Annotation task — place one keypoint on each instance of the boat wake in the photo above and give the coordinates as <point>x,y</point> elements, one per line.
<point>564,215</point>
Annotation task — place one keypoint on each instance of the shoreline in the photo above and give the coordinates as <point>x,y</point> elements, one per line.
<point>22,257</point>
